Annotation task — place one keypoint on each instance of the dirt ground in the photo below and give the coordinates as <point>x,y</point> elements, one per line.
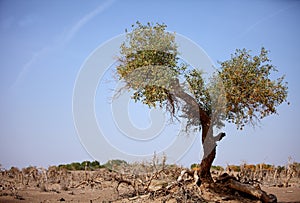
<point>290,194</point>
<point>105,195</point>
<point>105,186</point>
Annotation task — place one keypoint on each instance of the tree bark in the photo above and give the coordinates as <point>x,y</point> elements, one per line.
<point>209,152</point>
<point>209,149</point>
<point>208,140</point>
<point>251,190</point>
<point>205,165</point>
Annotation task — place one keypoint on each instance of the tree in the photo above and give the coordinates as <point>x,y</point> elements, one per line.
<point>95,164</point>
<point>240,91</point>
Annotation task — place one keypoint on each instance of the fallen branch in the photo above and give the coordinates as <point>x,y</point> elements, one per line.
<point>129,183</point>
<point>251,190</point>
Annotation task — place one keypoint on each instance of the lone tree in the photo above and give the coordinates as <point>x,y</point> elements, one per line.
<point>240,91</point>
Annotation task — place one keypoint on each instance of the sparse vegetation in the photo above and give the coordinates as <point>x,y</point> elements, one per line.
<point>159,183</point>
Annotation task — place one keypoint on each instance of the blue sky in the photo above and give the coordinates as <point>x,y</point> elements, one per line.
<point>45,43</point>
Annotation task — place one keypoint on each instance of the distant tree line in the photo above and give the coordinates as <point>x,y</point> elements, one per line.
<point>91,165</point>
<point>85,165</point>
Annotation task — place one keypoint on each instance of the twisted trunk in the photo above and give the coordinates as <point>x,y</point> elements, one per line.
<point>209,149</point>
<point>209,155</point>
<point>208,140</point>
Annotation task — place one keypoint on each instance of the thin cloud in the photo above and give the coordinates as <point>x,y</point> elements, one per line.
<point>25,69</point>
<point>70,34</point>
<point>265,19</point>
<point>87,18</point>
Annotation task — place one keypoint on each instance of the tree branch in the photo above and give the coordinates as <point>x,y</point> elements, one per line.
<point>219,137</point>
<point>190,101</point>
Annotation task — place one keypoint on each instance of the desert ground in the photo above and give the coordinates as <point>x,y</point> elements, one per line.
<point>105,195</point>
<point>163,185</point>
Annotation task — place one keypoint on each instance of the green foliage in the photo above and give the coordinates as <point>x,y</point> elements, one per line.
<point>95,164</point>
<point>148,63</point>
<point>241,91</point>
<point>115,163</point>
<point>198,88</point>
<point>65,166</point>
<point>194,165</point>
<point>85,165</point>
<point>77,166</point>
<point>250,93</point>
<point>280,168</point>
<point>217,168</point>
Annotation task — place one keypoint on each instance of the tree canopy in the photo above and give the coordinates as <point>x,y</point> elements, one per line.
<point>241,91</point>
<point>251,93</point>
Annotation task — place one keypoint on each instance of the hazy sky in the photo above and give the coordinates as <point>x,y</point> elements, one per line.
<point>45,43</point>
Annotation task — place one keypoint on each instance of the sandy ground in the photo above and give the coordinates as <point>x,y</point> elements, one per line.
<point>291,194</point>
<point>33,195</point>
<point>100,186</point>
